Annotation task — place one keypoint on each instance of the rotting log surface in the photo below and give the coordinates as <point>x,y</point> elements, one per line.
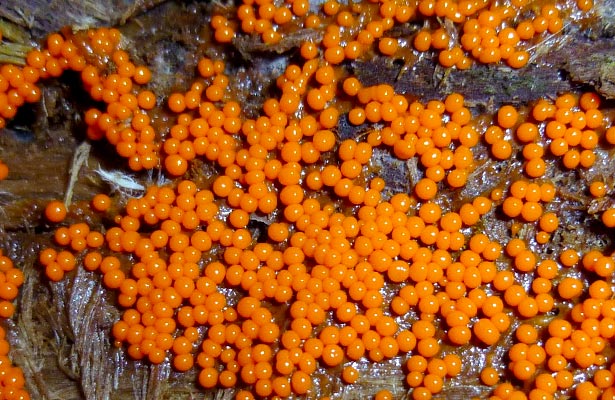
<point>60,334</point>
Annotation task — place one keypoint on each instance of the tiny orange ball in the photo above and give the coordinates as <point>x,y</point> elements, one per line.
<point>507,116</point>
<point>176,165</point>
<point>101,202</point>
<point>55,211</point>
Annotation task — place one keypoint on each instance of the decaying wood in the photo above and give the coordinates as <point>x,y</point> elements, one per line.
<point>41,17</point>
<point>60,335</point>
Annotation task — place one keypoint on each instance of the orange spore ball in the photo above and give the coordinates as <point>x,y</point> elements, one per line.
<point>350,374</point>
<point>489,376</point>
<point>597,189</point>
<point>422,41</point>
<point>507,116</point>
<point>486,331</point>
<point>501,149</point>
<point>55,211</point>
<point>101,202</point>
<point>4,171</point>
<point>570,288</point>
<point>426,189</point>
<point>176,165</point>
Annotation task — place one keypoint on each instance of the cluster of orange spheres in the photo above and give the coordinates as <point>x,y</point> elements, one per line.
<point>327,264</point>
<point>11,278</point>
<point>167,295</point>
<point>296,256</point>
<point>439,133</point>
<point>484,31</point>
<point>108,76</point>
<point>17,86</point>
<point>570,127</point>
<point>109,79</point>
<point>12,381</point>
<point>207,122</point>
<point>124,122</point>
